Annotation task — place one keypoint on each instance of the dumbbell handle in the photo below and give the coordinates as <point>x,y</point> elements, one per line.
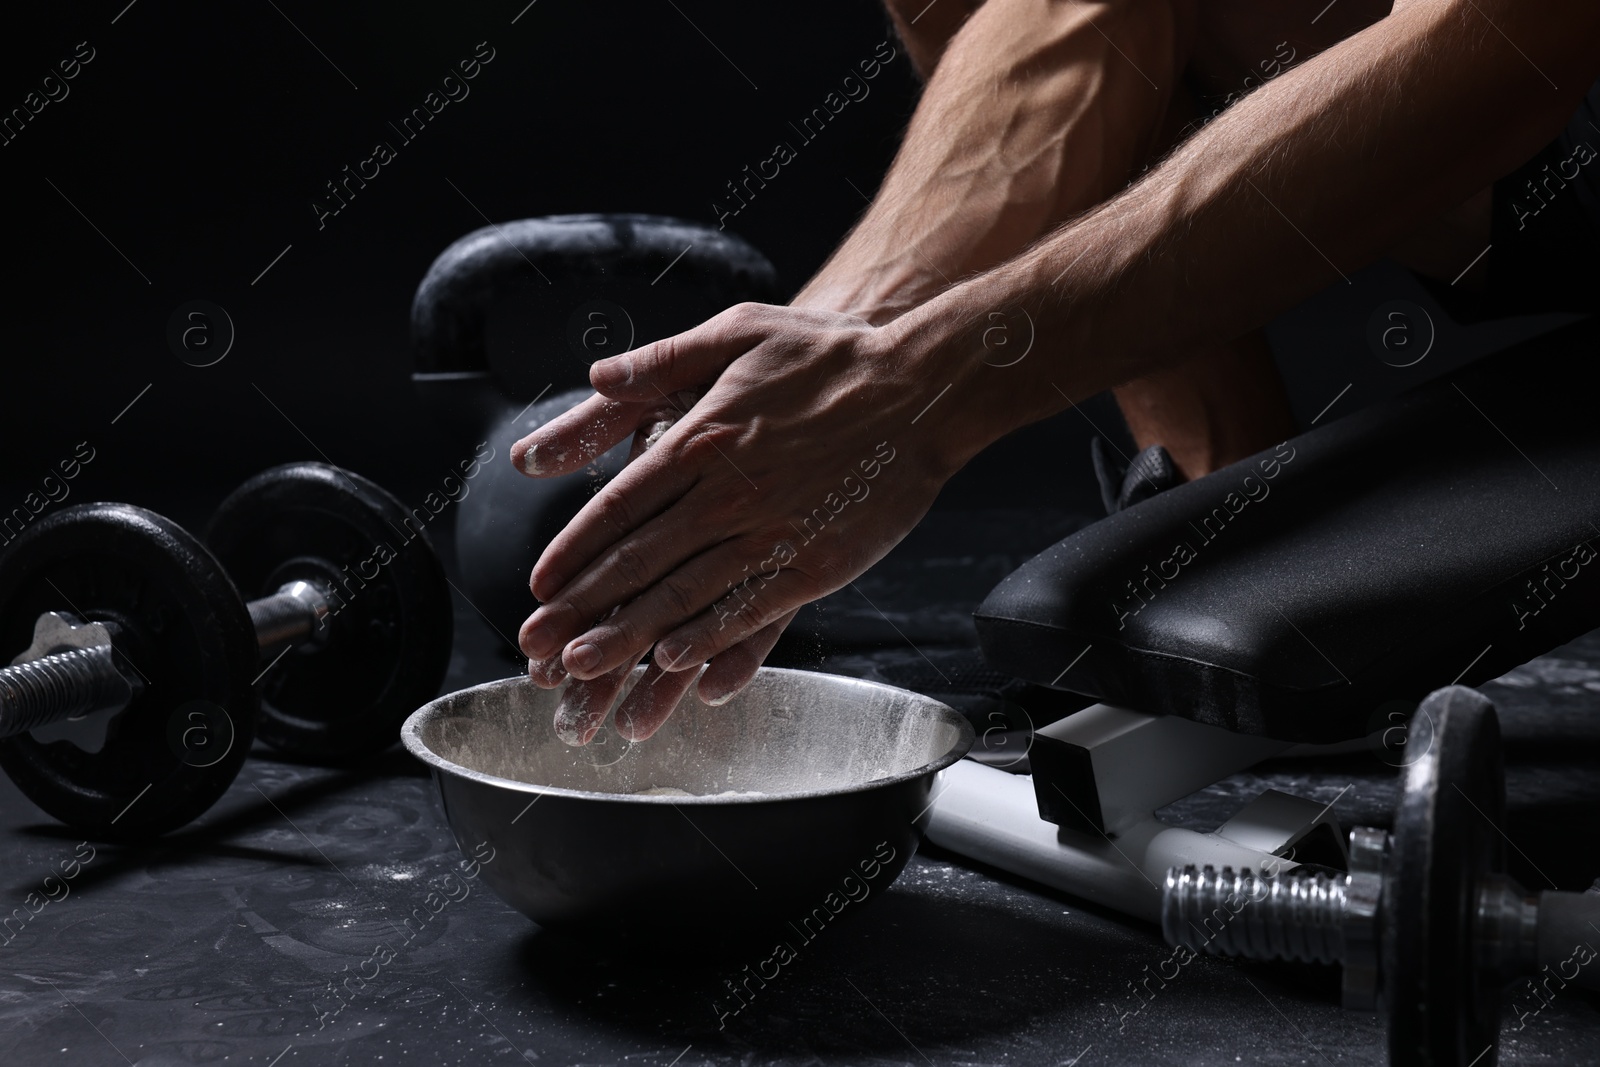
<point>1569,935</point>
<point>291,616</point>
<point>77,681</point>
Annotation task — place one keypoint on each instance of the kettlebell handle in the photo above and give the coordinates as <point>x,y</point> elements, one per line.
<point>452,302</point>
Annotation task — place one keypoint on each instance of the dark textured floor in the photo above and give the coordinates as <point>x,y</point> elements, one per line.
<point>221,945</point>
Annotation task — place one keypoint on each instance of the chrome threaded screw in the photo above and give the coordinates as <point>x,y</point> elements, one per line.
<point>1242,913</point>
<point>69,670</point>
<point>72,669</point>
<point>56,687</point>
<point>1305,916</point>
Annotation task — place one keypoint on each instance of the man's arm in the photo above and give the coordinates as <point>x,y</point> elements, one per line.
<point>1038,110</point>
<point>1310,177</point>
<point>1303,182</point>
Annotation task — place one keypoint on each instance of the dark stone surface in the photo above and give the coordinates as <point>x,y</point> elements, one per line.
<point>218,945</point>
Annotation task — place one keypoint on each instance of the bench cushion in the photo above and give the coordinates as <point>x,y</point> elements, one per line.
<point>1446,535</point>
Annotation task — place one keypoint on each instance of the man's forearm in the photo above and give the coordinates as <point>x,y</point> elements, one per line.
<point>1303,182</point>
<point>1037,110</point>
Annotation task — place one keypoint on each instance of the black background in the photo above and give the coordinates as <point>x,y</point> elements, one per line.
<point>200,134</point>
<point>198,137</point>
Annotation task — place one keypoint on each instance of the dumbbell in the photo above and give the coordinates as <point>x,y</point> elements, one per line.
<point>134,700</point>
<point>1426,922</point>
<point>504,326</point>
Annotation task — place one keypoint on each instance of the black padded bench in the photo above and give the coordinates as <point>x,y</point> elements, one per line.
<point>1449,534</point>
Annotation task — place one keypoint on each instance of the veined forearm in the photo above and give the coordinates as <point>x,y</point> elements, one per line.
<point>1033,113</point>
<point>1303,182</point>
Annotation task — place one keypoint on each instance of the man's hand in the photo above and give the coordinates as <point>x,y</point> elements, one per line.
<point>584,705</point>
<point>786,479</point>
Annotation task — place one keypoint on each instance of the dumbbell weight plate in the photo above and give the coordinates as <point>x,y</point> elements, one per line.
<point>180,622</point>
<point>390,626</point>
<point>1444,1008</point>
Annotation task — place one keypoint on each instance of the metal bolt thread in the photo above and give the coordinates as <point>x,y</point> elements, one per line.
<point>1295,916</point>
<point>54,687</point>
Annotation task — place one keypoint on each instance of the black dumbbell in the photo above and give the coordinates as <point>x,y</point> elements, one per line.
<point>135,698</point>
<point>554,294</point>
<point>1426,922</point>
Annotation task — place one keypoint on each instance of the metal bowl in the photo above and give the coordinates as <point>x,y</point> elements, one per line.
<point>813,794</point>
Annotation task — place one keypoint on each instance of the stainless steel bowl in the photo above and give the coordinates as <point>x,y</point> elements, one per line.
<point>814,792</point>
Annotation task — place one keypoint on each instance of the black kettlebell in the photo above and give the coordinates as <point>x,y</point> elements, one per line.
<point>504,327</point>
